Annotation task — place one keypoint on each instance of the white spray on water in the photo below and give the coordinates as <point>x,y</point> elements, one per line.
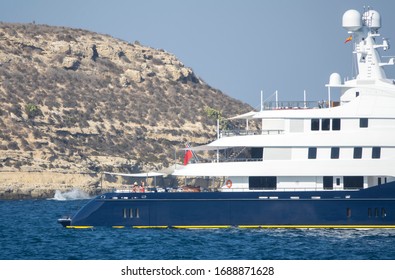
<point>74,194</point>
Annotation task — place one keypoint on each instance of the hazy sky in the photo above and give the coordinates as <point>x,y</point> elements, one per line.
<point>238,46</point>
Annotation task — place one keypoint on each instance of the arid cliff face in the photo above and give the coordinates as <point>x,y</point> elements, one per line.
<point>78,102</point>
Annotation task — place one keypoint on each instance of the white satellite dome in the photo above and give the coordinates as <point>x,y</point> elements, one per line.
<point>335,79</point>
<point>352,20</point>
<point>372,19</point>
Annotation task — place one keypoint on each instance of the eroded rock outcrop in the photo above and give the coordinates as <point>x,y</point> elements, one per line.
<point>76,102</point>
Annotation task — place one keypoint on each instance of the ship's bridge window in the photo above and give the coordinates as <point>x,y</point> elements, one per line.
<point>315,124</point>
<point>325,124</point>
<point>262,182</point>
<point>363,122</point>
<point>376,152</point>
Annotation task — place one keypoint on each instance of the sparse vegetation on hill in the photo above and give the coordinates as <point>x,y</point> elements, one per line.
<point>77,101</point>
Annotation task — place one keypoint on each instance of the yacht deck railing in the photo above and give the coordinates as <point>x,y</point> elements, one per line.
<point>241,132</point>
<point>229,159</point>
<point>286,105</point>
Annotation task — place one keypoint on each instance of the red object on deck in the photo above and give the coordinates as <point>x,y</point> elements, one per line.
<point>187,156</point>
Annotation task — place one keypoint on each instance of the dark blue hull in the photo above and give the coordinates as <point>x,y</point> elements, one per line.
<point>372,207</point>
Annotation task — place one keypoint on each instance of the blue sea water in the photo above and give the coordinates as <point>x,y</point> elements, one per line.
<point>29,231</point>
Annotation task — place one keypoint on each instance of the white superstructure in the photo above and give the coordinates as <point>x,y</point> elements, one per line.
<point>347,144</point>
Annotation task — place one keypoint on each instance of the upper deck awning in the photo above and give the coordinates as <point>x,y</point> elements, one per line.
<point>137,175</point>
<point>205,148</point>
<point>245,116</point>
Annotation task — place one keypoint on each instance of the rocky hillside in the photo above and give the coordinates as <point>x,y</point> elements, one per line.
<point>74,101</point>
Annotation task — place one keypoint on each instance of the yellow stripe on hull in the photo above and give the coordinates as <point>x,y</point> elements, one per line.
<point>249,226</point>
<point>150,227</point>
<point>203,227</point>
<point>79,227</point>
<point>272,226</point>
<point>317,226</point>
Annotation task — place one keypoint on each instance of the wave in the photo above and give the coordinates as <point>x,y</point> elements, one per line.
<point>74,194</point>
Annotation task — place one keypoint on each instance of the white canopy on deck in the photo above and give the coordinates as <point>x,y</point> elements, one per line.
<point>138,175</point>
<point>245,116</point>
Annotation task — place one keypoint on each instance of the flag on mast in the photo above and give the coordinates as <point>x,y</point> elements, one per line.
<point>187,156</point>
<point>348,39</point>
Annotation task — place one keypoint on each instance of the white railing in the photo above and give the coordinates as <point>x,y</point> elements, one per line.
<point>241,132</point>
<point>284,105</point>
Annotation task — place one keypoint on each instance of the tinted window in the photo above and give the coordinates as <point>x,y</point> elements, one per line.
<point>364,122</point>
<point>335,151</point>
<point>328,182</point>
<point>357,152</point>
<point>326,124</point>
<point>312,153</point>
<point>376,152</point>
<point>256,153</point>
<point>336,124</point>
<point>315,124</point>
<point>262,183</point>
<point>353,182</point>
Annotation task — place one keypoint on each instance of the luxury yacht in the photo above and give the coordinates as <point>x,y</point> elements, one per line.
<point>327,165</point>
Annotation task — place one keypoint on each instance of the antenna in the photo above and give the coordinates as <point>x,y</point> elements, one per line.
<point>304,99</point>
<point>276,99</point>
<point>261,100</point>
